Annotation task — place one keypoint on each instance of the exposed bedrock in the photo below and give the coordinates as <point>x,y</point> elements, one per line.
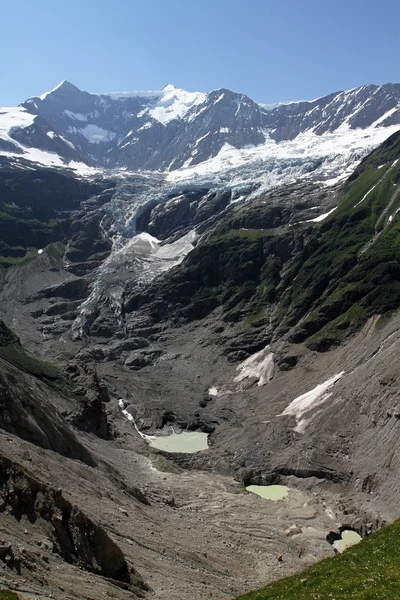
<point>76,538</point>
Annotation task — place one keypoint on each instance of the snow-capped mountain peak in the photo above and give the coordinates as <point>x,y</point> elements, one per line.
<point>43,96</point>
<point>195,133</point>
<point>174,103</point>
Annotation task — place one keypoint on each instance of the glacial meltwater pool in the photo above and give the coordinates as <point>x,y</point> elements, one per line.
<point>269,492</point>
<point>187,442</point>
<point>349,538</point>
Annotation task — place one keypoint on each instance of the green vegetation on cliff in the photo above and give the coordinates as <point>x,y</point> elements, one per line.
<point>317,282</point>
<point>35,209</point>
<point>50,373</point>
<point>7,595</point>
<point>349,269</point>
<point>369,570</point>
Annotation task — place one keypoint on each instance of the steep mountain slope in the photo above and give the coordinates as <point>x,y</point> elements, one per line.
<point>25,137</point>
<point>320,281</point>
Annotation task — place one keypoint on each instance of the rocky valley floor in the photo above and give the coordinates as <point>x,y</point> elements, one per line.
<point>201,535</point>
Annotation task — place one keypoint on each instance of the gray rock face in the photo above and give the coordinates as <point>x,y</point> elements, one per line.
<point>358,108</point>
<point>76,538</point>
<point>34,416</point>
<point>169,129</point>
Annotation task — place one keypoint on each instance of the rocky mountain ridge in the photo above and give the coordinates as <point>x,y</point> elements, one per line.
<point>174,129</point>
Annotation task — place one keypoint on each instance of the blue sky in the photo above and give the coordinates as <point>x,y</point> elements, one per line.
<point>270,50</point>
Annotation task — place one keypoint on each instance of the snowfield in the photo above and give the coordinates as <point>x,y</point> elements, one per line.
<point>329,157</point>
<point>13,118</point>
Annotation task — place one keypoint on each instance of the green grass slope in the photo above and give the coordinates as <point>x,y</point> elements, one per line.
<point>349,269</point>
<point>370,570</point>
<point>7,595</point>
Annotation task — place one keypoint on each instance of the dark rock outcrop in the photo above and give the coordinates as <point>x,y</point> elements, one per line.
<point>31,411</point>
<point>75,289</point>
<point>77,539</point>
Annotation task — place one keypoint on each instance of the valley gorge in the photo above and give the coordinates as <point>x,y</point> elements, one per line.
<point>207,278</point>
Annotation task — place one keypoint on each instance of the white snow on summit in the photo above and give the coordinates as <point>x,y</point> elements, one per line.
<point>43,96</point>
<point>164,105</point>
<point>175,103</point>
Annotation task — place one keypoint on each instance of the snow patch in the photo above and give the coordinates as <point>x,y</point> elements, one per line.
<point>203,137</point>
<point>367,194</point>
<point>302,404</point>
<point>75,116</point>
<point>50,159</point>
<point>127,415</point>
<point>154,242</point>
<point>259,366</point>
<point>146,126</point>
<point>67,141</point>
<point>385,116</point>
<point>321,217</point>
<point>97,135</point>
<point>13,118</point>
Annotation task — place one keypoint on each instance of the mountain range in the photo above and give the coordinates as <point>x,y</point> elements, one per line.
<point>173,129</point>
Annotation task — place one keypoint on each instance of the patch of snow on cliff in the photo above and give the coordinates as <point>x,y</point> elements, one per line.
<point>259,365</point>
<point>96,135</point>
<point>177,251</point>
<point>321,217</point>
<point>147,125</point>
<point>302,404</point>
<point>149,238</point>
<point>75,116</point>
<point>367,194</point>
<point>127,415</point>
<point>50,159</point>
